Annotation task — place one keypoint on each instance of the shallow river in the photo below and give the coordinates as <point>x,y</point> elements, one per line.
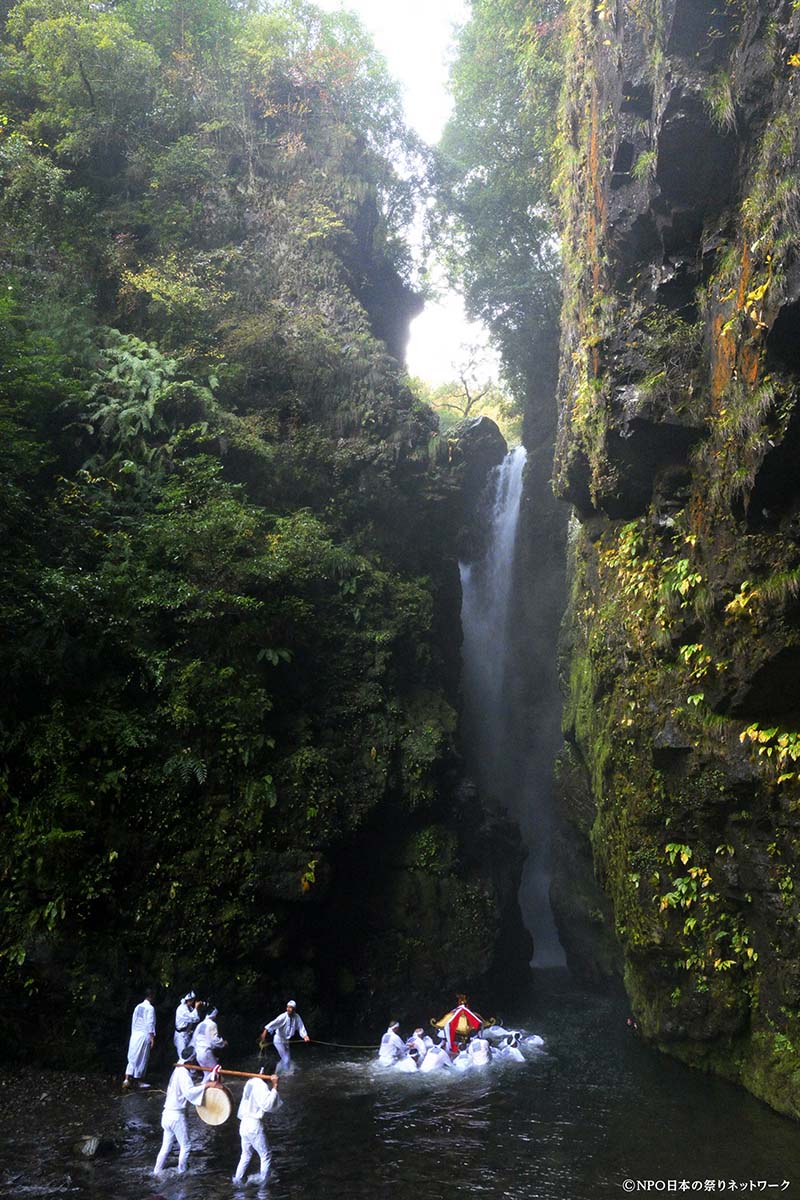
<point>577,1120</point>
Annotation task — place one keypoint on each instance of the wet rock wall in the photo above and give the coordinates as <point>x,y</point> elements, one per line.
<point>678,448</point>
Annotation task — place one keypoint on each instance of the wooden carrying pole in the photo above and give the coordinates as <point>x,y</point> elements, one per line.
<point>239,1074</point>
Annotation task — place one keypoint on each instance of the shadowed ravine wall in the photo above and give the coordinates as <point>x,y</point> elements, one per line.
<point>678,447</point>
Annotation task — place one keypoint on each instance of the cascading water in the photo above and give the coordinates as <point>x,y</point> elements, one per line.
<point>485,610</point>
<point>493,727</point>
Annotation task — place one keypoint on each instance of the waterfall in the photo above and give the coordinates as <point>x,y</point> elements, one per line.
<point>493,723</point>
<point>485,611</point>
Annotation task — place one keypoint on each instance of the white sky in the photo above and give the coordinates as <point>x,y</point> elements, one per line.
<point>415,37</point>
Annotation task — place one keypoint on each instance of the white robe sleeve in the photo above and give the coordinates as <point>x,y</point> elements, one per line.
<point>193,1092</point>
<point>215,1039</point>
<point>185,1018</point>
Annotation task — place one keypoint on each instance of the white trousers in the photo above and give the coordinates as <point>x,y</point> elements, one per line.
<point>254,1141</point>
<point>206,1057</point>
<point>285,1065</point>
<point>175,1129</point>
<point>182,1042</point>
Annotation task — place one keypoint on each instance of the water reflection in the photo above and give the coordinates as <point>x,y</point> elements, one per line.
<point>570,1124</point>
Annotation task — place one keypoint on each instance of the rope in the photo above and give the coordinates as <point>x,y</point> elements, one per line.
<point>343,1045</point>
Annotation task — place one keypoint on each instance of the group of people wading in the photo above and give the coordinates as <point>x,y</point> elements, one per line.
<point>197,1039</point>
<point>466,1041</point>
<point>420,1053</point>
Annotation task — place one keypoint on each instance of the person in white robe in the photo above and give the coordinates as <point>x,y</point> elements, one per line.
<point>186,1020</point>
<point>207,1039</point>
<point>463,1060</point>
<point>257,1100</point>
<point>509,1051</point>
<point>283,1028</point>
<point>417,1045</point>
<point>392,1048</point>
<point>180,1092</point>
<point>436,1059</point>
<point>496,1033</point>
<point>143,1035</point>
<point>480,1051</point>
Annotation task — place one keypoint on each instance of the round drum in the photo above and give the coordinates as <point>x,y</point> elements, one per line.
<point>217,1105</point>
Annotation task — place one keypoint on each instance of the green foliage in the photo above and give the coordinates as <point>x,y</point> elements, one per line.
<point>778,747</point>
<point>718,95</point>
<point>456,401</point>
<point>95,79</point>
<point>221,662</point>
<point>495,223</point>
<point>644,168</point>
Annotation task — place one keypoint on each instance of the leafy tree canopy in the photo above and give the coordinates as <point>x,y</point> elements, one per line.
<point>214,556</point>
<point>494,221</point>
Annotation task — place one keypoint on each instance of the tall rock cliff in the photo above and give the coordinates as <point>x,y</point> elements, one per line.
<point>678,447</point>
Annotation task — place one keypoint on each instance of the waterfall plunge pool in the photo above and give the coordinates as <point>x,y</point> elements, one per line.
<point>572,1123</point>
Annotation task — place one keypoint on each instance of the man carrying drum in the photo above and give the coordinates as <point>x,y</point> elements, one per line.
<point>180,1092</point>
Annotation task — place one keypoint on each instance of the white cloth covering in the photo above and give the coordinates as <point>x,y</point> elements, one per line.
<point>436,1059</point>
<point>417,1042</point>
<point>186,1020</point>
<point>496,1033</point>
<point>257,1100</point>
<point>406,1065</point>
<point>143,1027</point>
<point>392,1048</point>
<point>206,1041</point>
<point>462,1061</point>
<point>282,1028</point>
<point>180,1092</point>
<point>508,1053</point>
<point>175,1130</point>
<point>286,1025</point>
<point>254,1142</point>
<point>480,1052</point>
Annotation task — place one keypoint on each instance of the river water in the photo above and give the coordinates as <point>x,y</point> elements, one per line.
<point>593,1109</point>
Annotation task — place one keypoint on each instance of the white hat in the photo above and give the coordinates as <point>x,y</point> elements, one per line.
<point>291,1004</point>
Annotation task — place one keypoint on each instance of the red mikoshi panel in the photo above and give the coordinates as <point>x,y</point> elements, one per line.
<point>462,1022</point>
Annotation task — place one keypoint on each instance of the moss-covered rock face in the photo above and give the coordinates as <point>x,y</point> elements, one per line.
<point>229,530</point>
<point>434,908</point>
<point>677,444</point>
